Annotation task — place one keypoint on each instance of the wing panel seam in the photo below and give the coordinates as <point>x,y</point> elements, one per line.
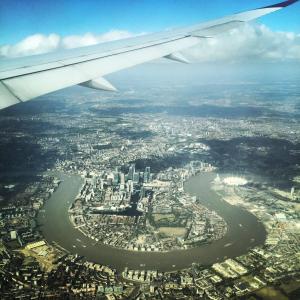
<point>93,59</point>
<point>10,91</point>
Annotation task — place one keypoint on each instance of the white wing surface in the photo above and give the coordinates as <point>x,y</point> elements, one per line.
<point>25,78</point>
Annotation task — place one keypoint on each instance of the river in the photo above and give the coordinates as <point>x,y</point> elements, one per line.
<point>244,231</point>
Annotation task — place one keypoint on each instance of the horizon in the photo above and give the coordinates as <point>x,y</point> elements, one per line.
<point>35,28</point>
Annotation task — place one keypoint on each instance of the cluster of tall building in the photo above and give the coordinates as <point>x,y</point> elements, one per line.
<point>138,177</point>
<point>126,181</point>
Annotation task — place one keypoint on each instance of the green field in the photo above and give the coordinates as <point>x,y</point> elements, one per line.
<point>162,218</point>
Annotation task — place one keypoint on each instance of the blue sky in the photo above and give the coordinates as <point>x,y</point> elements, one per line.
<point>19,18</point>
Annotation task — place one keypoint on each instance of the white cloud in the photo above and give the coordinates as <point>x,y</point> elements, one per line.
<point>244,43</point>
<point>39,43</point>
<point>34,44</point>
<point>74,41</point>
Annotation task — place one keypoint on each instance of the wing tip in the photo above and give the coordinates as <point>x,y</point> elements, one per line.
<point>282,4</point>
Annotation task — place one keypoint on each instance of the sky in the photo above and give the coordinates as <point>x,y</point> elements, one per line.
<point>33,27</point>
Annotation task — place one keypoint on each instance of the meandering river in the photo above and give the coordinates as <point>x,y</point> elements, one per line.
<point>244,231</point>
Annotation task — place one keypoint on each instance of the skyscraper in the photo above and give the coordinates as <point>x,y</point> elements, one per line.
<point>131,171</point>
<point>136,177</point>
<point>147,174</point>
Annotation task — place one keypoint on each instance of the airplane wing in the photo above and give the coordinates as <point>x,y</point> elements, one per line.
<point>25,78</point>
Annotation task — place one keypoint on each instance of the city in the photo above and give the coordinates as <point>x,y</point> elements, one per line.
<point>137,213</point>
<point>122,199</point>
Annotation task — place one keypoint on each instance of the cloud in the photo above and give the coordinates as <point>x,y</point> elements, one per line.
<point>251,41</point>
<point>248,42</point>
<point>39,43</point>
<point>74,41</point>
<point>34,44</point>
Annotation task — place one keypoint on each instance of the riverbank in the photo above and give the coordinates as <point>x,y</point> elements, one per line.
<point>56,226</point>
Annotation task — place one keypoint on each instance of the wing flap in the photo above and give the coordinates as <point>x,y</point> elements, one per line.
<point>33,85</point>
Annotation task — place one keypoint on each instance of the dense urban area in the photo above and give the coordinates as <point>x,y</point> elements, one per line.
<point>133,160</point>
<point>136,212</point>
